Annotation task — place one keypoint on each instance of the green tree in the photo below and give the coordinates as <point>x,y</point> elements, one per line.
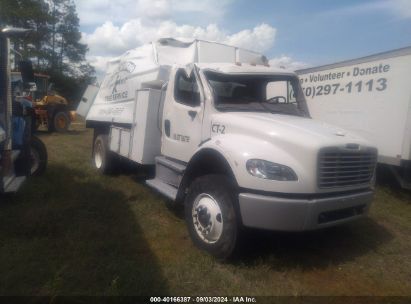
<point>55,42</point>
<point>67,63</point>
<point>30,14</point>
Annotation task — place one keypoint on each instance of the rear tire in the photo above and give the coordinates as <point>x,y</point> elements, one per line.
<point>38,157</point>
<point>61,122</point>
<point>211,217</point>
<point>103,158</point>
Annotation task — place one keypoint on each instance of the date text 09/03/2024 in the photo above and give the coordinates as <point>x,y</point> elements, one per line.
<point>236,299</point>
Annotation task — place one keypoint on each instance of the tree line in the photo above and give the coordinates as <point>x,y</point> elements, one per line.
<point>54,44</point>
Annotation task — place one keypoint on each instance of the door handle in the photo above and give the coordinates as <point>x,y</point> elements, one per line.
<point>192,114</point>
<point>167,127</point>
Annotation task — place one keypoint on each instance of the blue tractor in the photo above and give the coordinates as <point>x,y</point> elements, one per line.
<point>21,153</point>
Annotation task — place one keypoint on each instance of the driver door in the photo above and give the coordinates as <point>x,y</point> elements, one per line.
<point>182,119</point>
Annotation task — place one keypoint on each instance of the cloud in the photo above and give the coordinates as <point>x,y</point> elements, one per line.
<point>126,24</point>
<point>109,40</point>
<point>119,29</point>
<point>288,63</point>
<point>261,38</point>
<point>99,63</point>
<point>96,12</point>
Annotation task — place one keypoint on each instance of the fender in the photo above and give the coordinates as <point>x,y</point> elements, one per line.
<point>237,149</point>
<point>208,159</point>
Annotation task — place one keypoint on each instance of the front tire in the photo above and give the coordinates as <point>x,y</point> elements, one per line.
<point>211,217</point>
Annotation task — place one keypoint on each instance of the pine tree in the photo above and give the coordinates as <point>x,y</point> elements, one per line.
<point>55,42</point>
<point>29,14</point>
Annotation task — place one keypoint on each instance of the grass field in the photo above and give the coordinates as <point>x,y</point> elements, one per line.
<point>73,232</point>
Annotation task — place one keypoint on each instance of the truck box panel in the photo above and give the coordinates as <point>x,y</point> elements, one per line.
<point>120,141</point>
<point>142,142</point>
<point>146,133</point>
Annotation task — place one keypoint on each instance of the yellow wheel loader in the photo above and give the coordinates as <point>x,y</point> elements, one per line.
<point>52,110</point>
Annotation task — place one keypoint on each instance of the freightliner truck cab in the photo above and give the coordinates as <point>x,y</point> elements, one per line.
<point>233,142</point>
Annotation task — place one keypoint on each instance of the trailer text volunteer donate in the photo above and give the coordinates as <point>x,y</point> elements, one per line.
<point>368,85</point>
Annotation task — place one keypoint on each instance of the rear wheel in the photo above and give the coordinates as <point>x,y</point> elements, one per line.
<point>211,217</point>
<point>102,156</point>
<point>38,156</point>
<point>61,122</point>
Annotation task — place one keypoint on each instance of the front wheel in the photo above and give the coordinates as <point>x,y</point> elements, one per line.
<point>38,157</point>
<point>211,217</point>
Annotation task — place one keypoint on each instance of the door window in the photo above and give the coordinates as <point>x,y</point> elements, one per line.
<point>186,89</point>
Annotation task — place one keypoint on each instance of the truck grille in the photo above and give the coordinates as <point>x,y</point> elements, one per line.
<point>343,167</point>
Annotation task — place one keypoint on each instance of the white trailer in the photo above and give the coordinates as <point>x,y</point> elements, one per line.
<point>231,138</point>
<point>370,96</point>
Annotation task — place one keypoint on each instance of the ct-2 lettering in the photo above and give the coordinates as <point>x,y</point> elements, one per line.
<point>217,128</point>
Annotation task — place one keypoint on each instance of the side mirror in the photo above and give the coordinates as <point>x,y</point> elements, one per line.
<point>26,69</point>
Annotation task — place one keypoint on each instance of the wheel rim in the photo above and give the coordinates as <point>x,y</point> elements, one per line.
<point>34,161</point>
<point>207,218</point>
<point>61,122</point>
<point>98,155</point>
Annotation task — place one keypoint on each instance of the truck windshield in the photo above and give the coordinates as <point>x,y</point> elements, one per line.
<point>257,93</point>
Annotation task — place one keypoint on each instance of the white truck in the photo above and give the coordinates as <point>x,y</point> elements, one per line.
<point>370,96</point>
<point>230,137</point>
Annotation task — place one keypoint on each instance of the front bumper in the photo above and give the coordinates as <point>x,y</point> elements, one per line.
<point>284,214</point>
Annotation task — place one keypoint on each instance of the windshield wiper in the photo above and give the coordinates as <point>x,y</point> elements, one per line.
<point>268,109</point>
<point>237,108</point>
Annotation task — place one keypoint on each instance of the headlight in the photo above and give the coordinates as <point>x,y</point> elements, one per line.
<point>268,170</point>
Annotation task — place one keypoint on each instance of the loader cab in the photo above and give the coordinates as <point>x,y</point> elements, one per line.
<point>51,90</point>
<point>43,85</point>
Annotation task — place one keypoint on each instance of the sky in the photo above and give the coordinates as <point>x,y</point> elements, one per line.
<point>291,33</point>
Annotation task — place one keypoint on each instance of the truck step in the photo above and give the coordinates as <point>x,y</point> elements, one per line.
<point>12,184</point>
<point>168,171</point>
<point>162,187</point>
<point>173,165</point>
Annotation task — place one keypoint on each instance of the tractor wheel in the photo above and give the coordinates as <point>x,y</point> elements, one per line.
<point>38,156</point>
<point>61,122</point>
